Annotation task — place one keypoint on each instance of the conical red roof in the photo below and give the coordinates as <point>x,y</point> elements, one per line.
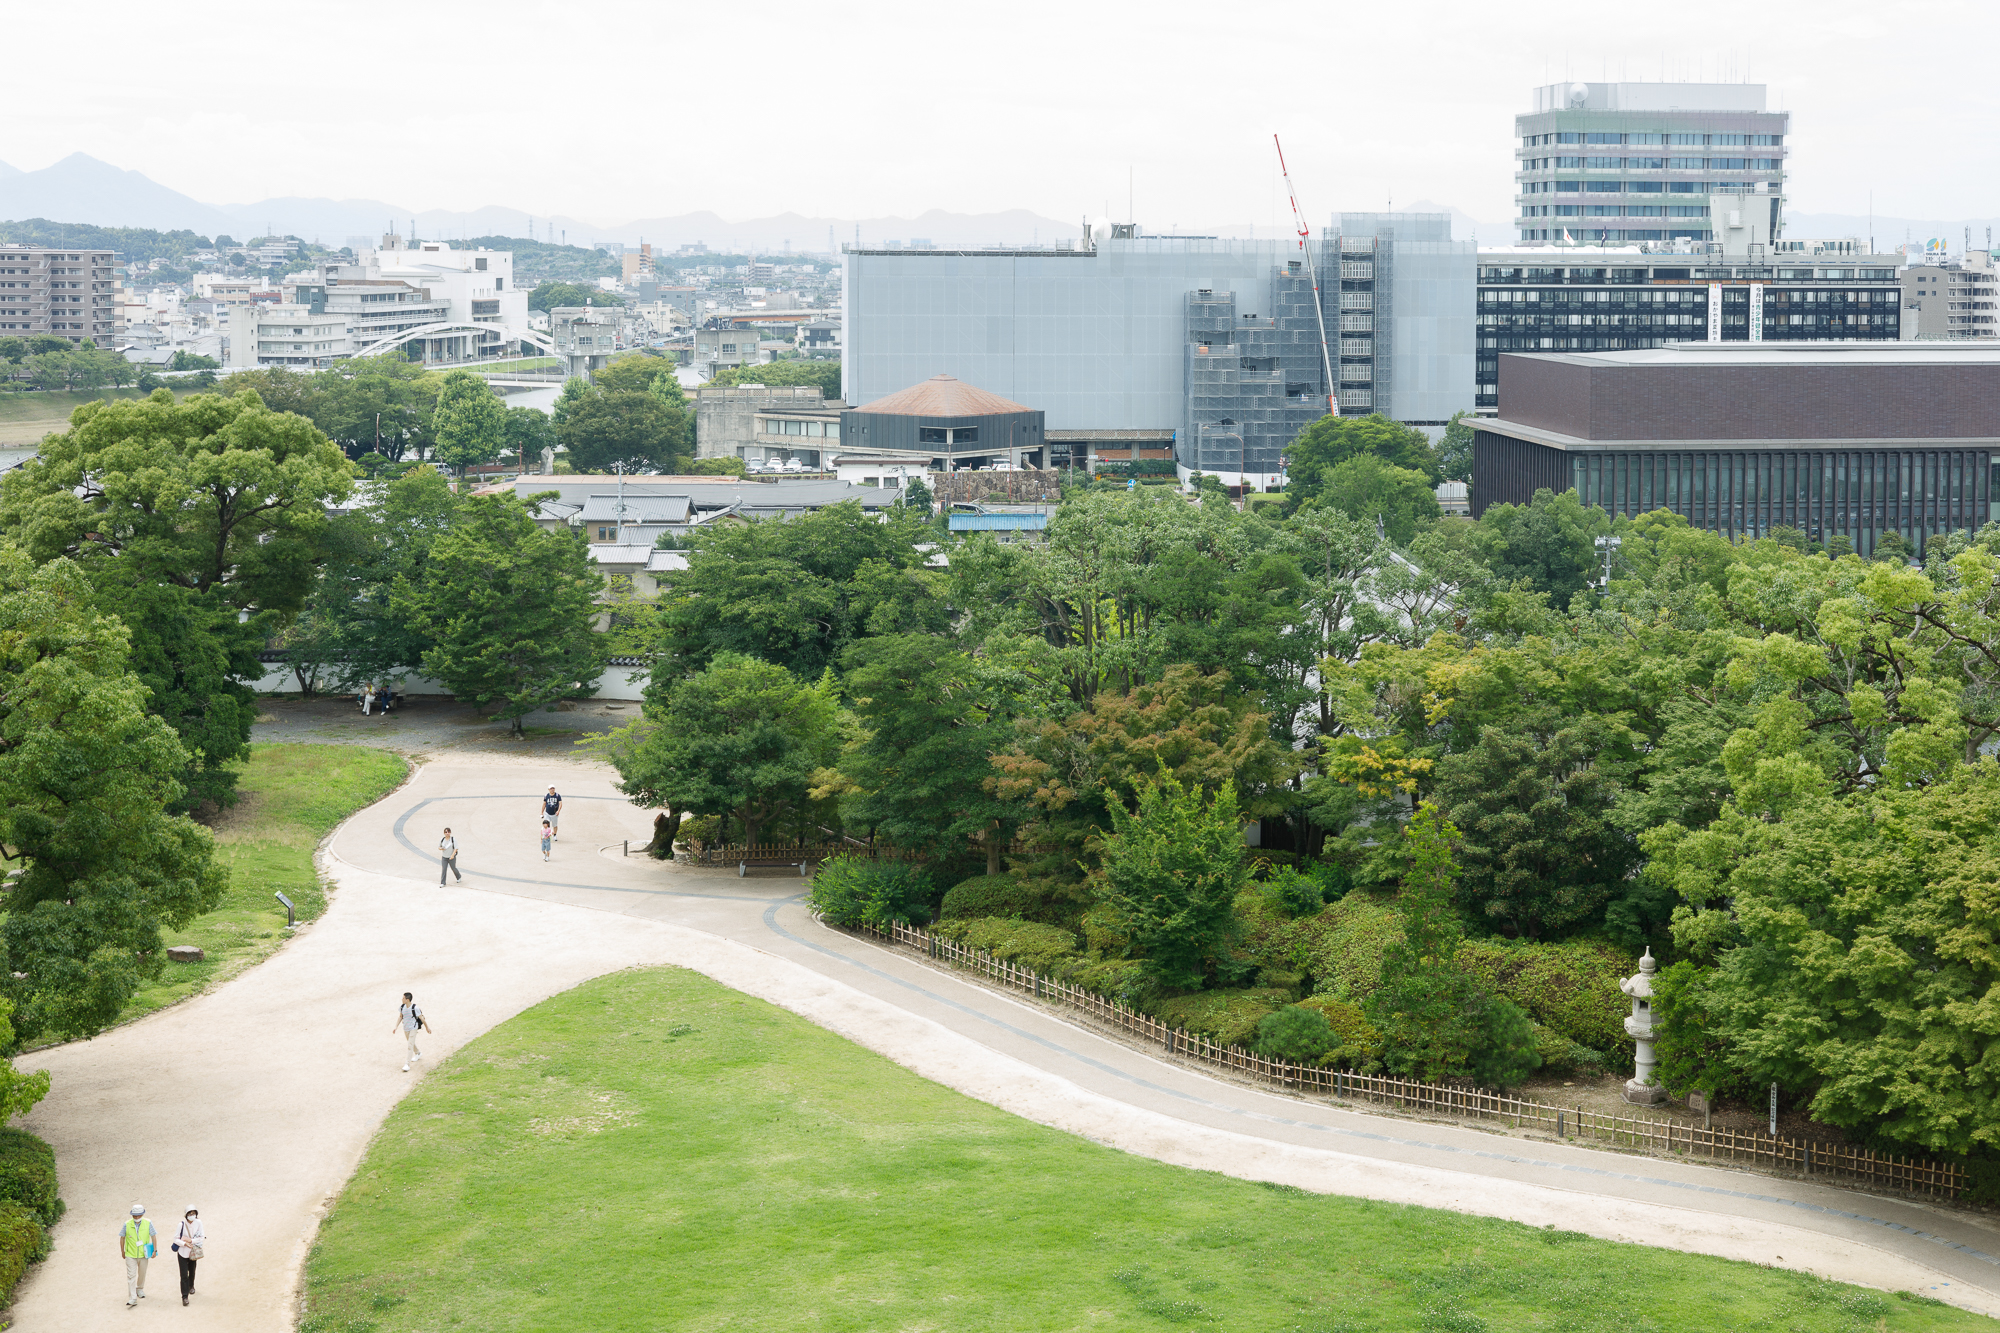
<point>942,396</point>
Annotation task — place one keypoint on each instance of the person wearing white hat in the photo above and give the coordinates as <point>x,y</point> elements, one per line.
<point>188,1243</point>
<point>138,1241</point>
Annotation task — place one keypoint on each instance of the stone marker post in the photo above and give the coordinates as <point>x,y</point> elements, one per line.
<point>1643,1088</point>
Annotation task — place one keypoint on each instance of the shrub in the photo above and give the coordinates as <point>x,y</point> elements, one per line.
<point>1571,987</point>
<point>989,896</point>
<point>1296,894</point>
<point>1506,1050</point>
<point>1296,1033</point>
<point>854,891</point>
<point>1342,947</point>
<point>1228,1016</point>
<point>701,830</point>
<point>1438,1024</point>
<point>1360,1044</point>
<point>1559,1054</point>
<point>1049,950</point>
<point>28,1174</point>
<point>23,1240</point>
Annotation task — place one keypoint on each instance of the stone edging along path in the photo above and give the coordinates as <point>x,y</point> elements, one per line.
<point>256,1100</point>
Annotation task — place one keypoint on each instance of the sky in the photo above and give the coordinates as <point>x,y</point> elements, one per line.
<point>618,110</point>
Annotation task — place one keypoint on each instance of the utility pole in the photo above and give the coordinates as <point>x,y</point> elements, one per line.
<point>1607,545</point>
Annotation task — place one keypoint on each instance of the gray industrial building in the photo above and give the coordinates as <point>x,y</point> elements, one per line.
<point>1837,439</point>
<point>1133,343</point>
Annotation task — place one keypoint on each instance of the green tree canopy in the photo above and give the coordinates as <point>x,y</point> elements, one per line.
<point>623,429</point>
<point>508,608</point>
<point>202,523</point>
<point>1168,880</point>
<point>1369,490</point>
<point>1546,543</point>
<point>85,776</point>
<point>823,375</point>
<point>551,295</point>
<point>1454,450</point>
<point>1330,441</point>
<point>469,421</point>
<point>741,738</point>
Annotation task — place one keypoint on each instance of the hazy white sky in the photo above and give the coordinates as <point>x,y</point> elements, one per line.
<point>615,109</point>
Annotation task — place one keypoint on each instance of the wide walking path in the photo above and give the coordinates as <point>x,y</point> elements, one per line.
<point>256,1101</point>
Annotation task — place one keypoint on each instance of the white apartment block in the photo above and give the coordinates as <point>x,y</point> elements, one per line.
<point>292,336</point>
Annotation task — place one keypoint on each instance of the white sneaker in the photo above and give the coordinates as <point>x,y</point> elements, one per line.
<point>406,1069</point>
<point>129,1304</point>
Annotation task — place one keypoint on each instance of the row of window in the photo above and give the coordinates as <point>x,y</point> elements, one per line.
<point>1754,492</point>
<point>1652,163</point>
<point>1629,187</point>
<point>1614,210</point>
<point>1663,140</point>
<point>1608,235</point>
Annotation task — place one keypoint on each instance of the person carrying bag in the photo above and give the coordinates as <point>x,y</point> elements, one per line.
<point>188,1250</point>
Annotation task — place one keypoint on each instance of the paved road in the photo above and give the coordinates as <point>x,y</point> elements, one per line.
<point>255,1101</point>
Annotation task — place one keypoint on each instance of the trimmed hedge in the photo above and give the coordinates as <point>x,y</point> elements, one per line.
<point>1050,950</point>
<point>1570,987</point>
<point>989,896</point>
<point>1342,947</point>
<point>1360,1044</point>
<point>23,1241</point>
<point>1228,1016</point>
<point>28,1174</point>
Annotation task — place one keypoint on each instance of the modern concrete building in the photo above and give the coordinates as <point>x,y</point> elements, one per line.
<point>292,336</point>
<point>1738,287</point>
<point>1838,439</point>
<point>760,424</point>
<point>1952,300</point>
<point>452,305</point>
<point>946,420</point>
<point>1614,163</point>
<point>64,293</point>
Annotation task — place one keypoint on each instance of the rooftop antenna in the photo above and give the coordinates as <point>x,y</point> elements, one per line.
<point>1312,272</point>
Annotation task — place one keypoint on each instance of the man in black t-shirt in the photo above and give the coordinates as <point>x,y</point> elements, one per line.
<point>551,809</point>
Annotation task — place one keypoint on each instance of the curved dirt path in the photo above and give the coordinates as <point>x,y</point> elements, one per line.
<point>255,1102</point>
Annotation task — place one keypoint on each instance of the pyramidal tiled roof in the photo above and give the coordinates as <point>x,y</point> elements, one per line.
<point>942,396</point>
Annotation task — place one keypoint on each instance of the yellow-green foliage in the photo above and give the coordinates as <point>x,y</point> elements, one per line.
<point>1360,1044</point>
<point>1571,987</point>
<point>1342,947</point>
<point>1227,1016</point>
<point>23,1240</point>
<point>1050,950</point>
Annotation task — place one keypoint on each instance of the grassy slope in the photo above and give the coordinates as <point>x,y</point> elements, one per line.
<point>293,795</point>
<point>26,417</point>
<point>652,1150</point>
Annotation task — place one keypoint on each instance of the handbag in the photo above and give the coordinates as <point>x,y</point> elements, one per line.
<point>189,1249</point>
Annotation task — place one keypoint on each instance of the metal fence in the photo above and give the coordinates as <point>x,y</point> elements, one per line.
<point>1665,1137</point>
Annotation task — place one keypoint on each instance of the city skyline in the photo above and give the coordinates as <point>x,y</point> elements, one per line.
<point>1175,132</point>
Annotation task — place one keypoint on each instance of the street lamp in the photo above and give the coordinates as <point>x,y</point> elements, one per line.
<point>1607,545</point>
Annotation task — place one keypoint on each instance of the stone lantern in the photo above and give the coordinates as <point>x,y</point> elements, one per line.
<point>1643,1088</point>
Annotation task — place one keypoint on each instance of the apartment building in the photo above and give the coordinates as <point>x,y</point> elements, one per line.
<point>1958,300</point>
<point>65,293</point>
<point>292,336</point>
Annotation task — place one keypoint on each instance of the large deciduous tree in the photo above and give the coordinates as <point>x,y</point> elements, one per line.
<point>202,524</point>
<point>1331,441</point>
<point>625,430</point>
<point>1168,879</point>
<point>85,776</point>
<point>508,608</point>
<point>470,421</point>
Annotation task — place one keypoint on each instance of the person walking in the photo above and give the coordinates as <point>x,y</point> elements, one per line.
<point>448,858</point>
<point>548,836</point>
<point>188,1245</point>
<point>367,698</point>
<point>552,812</point>
<point>138,1241</point>
<point>411,1020</point>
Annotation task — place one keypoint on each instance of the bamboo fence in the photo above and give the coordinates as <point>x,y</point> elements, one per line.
<point>1665,1137</point>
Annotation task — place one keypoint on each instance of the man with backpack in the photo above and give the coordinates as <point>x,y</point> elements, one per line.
<point>138,1241</point>
<point>411,1020</point>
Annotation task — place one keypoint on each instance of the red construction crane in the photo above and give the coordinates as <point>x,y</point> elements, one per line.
<point>1312,272</point>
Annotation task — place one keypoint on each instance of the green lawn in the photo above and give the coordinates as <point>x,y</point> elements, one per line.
<point>292,796</point>
<point>653,1151</point>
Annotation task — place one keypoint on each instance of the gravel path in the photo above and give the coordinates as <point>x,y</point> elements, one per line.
<point>256,1101</point>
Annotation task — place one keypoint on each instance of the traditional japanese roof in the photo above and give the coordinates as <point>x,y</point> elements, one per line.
<point>943,396</point>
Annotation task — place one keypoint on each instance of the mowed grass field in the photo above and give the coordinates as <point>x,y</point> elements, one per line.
<point>652,1151</point>
<point>291,797</point>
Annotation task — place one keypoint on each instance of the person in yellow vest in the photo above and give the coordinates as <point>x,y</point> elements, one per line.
<point>138,1241</point>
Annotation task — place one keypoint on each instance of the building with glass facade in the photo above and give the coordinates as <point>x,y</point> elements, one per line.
<point>1212,348</point>
<point>1839,439</point>
<point>1612,163</point>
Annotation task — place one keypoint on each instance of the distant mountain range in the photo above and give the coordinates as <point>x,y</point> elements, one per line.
<point>82,189</point>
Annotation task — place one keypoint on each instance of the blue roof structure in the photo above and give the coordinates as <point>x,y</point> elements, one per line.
<point>999,522</point>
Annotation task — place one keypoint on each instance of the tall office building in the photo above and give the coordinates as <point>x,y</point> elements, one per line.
<point>1405,316</point>
<point>70,294</point>
<point>1610,163</point>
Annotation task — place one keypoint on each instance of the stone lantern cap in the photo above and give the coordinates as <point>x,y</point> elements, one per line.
<point>1641,986</point>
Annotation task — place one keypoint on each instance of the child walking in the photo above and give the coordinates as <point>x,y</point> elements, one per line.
<point>547,834</point>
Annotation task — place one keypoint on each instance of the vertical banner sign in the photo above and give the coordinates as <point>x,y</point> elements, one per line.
<point>1774,1110</point>
<point>1715,312</point>
<point>1756,312</point>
